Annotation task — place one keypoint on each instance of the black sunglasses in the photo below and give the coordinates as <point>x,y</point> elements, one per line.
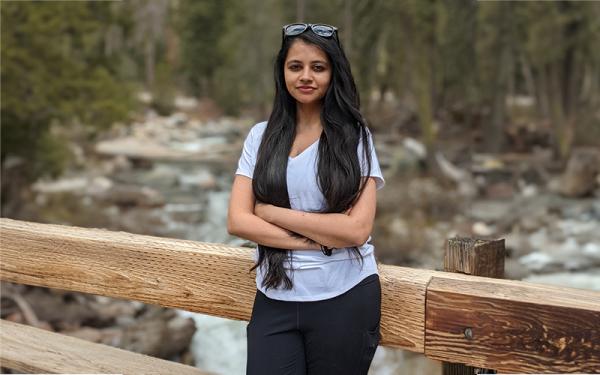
<point>325,31</point>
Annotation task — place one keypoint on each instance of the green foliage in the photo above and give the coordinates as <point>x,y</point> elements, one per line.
<point>55,69</point>
<point>70,62</point>
<point>229,49</point>
<point>201,24</point>
<point>51,154</point>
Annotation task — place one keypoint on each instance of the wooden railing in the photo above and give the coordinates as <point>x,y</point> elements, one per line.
<point>510,326</point>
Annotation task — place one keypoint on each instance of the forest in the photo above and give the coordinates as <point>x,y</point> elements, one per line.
<point>506,71</point>
<point>130,116</point>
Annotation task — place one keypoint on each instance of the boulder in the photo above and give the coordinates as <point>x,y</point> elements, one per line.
<point>579,177</point>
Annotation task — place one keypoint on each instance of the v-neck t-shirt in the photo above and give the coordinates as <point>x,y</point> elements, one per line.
<point>315,276</point>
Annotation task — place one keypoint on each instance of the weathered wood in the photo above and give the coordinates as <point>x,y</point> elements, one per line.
<point>33,350</point>
<point>478,258</point>
<point>201,277</point>
<point>421,309</point>
<point>513,326</point>
<point>475,257</point>
<point>403,293</point>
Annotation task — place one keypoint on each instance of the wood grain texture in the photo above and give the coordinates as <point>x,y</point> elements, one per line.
<point>403,292</point>
<point>201,277</point>
<point>33,350</point>
<point>514,326</point>
<point>475,257</point>
<point>478,258</point>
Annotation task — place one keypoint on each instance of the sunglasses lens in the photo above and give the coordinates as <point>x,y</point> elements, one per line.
<point>323,30</point>
<point>295,29</point>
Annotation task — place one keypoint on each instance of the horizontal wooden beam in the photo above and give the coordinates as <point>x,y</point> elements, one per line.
<point>33,350</point>
<point>512,326</point>
<point>201,277</point>
<point>501,324</point>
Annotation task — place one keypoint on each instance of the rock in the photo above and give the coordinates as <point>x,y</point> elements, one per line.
<point>591,250</point>
<point>572,227</point>
<point>579,178</point>
<point>143,147</point>
<point>116,164</point>
<point>483,163</point>
<point>199,145</point>
<point>399,227</point>
<point>538,239</point>
<point>482,229</point>
<point>538,261</point>
<point>398,159</point>
<point>148,221</point>
<point>161,176</point>
<point>529,191</point>
<point>465,182</point>
<point>132,147</point>
<point>415,147</point>
<point>499,190</point>
<point>57,308</point>
<point>176,119</point>
<point>554,185</point>
<point>60,186</point>
<point>121,163</point>
<point>515,270</point>
<point>98,185</point>
<point>529,223</point>
<point>516,244</point>
<point>130,195</point>
<point>78,154</point>
<point>200,179</point>
<point>144,97</point>
<point>489,210</point>
<point>185,103</point>
<point>449,170</point>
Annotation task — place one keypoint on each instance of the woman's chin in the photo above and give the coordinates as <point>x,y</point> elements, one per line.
<point>307,100</point>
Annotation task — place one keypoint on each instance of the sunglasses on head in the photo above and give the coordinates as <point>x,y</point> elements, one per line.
<point>323,30</point>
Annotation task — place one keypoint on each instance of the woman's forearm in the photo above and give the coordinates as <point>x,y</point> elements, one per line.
<point>255,229</point>
<point>330,229</point>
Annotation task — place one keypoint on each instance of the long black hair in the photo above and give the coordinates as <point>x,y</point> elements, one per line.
<point>339,172</point>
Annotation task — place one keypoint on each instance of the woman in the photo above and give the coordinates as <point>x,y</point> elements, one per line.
<point>305,192</point>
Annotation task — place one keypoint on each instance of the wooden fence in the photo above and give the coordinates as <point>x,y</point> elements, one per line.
<point>510,326</point>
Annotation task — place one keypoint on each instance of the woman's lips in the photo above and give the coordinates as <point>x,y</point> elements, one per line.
<point>306,89</point>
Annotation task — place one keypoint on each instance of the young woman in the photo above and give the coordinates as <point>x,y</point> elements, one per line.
<point>305,192</point>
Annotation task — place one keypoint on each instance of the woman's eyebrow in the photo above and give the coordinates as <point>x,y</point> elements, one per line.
<point>312,62</point>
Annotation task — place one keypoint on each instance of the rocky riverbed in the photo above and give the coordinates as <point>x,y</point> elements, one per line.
<point>171,176</point>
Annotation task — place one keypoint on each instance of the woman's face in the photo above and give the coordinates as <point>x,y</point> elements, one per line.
<point>307,72</point>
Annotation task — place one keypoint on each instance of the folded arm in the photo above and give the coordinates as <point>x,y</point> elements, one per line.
<point>242,221</point>
<point>351,228</point>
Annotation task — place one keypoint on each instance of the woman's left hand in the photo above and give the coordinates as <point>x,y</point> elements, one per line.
<point>262,210</point>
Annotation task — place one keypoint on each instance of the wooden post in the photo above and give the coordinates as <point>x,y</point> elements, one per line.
<point>478,258</point>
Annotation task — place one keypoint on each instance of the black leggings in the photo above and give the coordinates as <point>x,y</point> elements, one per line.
<point>333,336</point>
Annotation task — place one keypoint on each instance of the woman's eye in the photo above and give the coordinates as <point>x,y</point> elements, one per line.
<point>318,68</point>
<point>295,67</point>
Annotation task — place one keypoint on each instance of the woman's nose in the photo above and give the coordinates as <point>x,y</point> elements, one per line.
<point>306,76</point>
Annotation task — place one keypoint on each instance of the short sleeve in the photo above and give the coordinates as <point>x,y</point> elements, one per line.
<point>247,159</point>
<point>375,167</point>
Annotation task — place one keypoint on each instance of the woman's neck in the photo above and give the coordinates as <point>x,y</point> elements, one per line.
<point>308,116</point>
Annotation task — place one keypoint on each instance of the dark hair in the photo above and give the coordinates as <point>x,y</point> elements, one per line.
<point>339,172</point>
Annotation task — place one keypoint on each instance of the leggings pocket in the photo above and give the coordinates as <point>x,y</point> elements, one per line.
<point>371,341</point>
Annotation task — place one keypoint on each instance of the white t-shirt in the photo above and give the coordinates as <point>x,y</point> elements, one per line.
<point>315,275</point>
